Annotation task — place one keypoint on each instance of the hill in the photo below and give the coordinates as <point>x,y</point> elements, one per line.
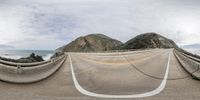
<point>92,42</point>
<point>149,40</point>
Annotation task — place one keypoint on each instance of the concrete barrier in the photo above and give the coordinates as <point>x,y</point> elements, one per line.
<point>115,53</point>
<point>29,74</point>
<point>190,65</point>
<point>191,57</point>
<point>25,64</point>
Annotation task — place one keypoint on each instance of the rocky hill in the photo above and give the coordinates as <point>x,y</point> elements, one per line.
<point>100,42</point>
<point>92,42</point>
<point>148,40</point>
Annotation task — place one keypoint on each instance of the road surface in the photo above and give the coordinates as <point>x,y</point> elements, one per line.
<point>148,75</point>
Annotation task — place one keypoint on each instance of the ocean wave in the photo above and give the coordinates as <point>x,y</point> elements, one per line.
<point>48,56</point>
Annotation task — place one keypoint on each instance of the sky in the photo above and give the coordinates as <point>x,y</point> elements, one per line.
<point>49,24</point>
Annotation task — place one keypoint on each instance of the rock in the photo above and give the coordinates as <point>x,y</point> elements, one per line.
<point>30,59</point>
<point>57,54</point>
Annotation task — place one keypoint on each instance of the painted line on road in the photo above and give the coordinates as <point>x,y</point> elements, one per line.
<point>146,94</point>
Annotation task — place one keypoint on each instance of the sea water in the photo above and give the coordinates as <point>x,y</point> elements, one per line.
<point>194,51</point>
<point>16,54</point>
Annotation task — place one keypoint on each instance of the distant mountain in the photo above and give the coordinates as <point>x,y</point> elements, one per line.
<point>92,42</point>
<point>192,46</point>
<point>149,40</point>
<point>2,46</point>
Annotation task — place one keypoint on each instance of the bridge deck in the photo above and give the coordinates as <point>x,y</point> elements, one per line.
<point>119,74</point>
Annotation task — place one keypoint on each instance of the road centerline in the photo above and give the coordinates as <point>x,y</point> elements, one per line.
<point>146,94</point>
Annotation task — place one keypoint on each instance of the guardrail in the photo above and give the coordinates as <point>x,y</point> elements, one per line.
<point>191,57</point>
<point>125,52</point>
<point>20,74</point>
<point>25,64</point>
<point>190,65</point>
<point>115,51</point>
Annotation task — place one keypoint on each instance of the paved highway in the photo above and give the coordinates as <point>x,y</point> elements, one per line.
<point>148,75</point>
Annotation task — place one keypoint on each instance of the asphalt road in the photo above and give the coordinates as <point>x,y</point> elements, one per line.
<point>148,75</point>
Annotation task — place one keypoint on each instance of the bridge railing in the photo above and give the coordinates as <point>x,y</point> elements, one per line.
<point>21,74</point>
<point>25,64</point>
<point>113,51</point>
<point>191,57</point>
<point>193,67</point>
<point>116,51</point>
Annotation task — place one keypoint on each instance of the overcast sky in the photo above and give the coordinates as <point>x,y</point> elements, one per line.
<point>49,24</point>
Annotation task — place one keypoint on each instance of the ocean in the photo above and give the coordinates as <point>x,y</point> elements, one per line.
<point>16,54</point>
<point>194,51</point>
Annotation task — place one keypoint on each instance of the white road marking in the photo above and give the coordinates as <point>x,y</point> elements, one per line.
<point>146,94</point>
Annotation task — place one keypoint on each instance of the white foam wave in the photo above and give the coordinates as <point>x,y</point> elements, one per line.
<point>48,56</point>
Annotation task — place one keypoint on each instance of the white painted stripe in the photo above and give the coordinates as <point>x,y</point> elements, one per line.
<point>147,94</point>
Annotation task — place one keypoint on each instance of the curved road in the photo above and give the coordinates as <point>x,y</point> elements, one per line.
<point>113,74</point>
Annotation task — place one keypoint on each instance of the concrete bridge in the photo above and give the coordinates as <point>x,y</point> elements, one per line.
<point>156,74</point>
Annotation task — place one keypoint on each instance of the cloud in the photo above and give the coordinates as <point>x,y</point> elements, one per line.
<point>48,24</point>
